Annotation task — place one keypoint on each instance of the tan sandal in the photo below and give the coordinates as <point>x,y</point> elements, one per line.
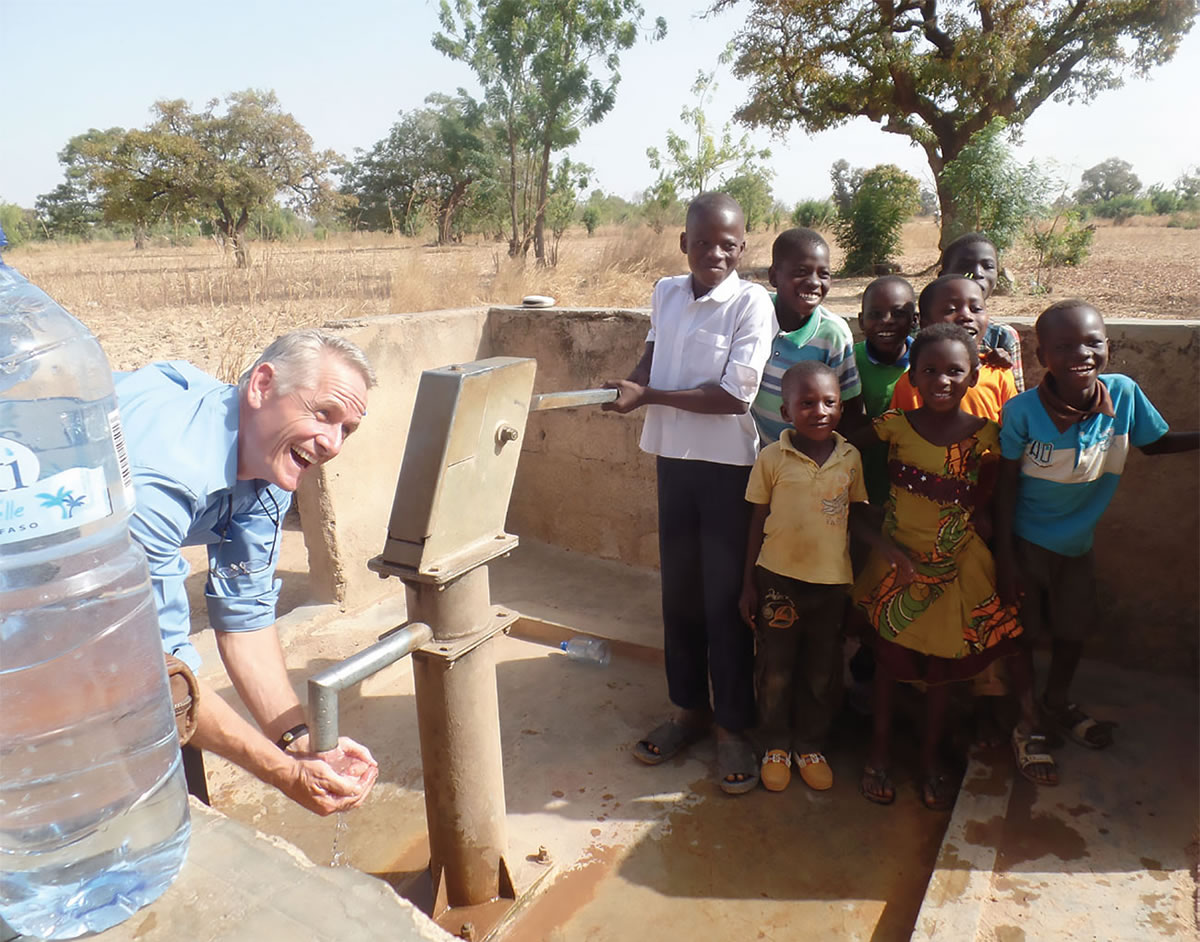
<point>776,771</point>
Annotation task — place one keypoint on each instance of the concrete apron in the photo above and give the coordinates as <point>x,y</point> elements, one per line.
<point>1111,853</point>
<point>629,849</point>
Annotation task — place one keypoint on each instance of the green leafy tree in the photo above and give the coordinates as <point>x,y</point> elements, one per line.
<point>590,217</point>
<point>694,162</point>
<point>846,182</point>
<point>570,178</point>
<point>126,179</point>
<point>815,214</point>
<point>434,163</point>
<point>535,61</point>
<point>67,212</point>
<point>19,225</point>
<point>1108,179</point>
<point>753,191</point>
<point>1188,185</point>
<point>992,193</point>
<point>937,71</point>
<point>870,229</point>
<point>219,165</point>
<point>661,205</point>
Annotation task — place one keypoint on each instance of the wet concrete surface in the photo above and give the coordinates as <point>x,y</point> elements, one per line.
<point>632,850</point>
<point>1111,853</point>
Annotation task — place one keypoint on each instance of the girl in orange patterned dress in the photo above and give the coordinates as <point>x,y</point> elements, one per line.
<point>929,586</point>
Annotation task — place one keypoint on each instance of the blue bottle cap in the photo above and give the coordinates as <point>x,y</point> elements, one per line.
<point>563,645</point>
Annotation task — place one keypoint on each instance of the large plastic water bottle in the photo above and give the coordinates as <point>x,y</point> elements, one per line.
<point>93,806</point>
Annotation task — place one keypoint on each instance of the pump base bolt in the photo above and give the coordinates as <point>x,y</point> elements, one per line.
<point>467,931</point>
<point>542,856</point>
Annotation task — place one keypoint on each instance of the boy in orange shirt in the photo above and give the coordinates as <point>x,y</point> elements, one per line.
<point>957,299</point>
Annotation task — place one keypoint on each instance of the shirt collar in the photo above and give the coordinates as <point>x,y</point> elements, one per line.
<point>723,292</point>
<point>1063,414</point>
<point>901,362</point>
<point>806,331</point>
<point>839,447</point>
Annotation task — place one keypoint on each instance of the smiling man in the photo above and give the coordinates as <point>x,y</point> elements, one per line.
<point>216,464</point>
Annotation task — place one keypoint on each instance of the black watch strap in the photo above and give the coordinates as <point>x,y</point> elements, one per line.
<point>301,729</point>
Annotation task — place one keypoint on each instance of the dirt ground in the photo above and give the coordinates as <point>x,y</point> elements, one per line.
<point>191,303</point>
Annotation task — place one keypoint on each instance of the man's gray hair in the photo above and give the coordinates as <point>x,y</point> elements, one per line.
<point>297,355</point>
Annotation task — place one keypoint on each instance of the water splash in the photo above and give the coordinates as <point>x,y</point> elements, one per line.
<point>338,858</point>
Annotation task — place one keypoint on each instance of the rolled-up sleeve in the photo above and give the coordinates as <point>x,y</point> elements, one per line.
<point>242,590</point>
<point>750,347</point>
<point>159,525</point>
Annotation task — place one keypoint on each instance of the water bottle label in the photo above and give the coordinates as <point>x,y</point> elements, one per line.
<point>32,508</point>
<point>118,439</point>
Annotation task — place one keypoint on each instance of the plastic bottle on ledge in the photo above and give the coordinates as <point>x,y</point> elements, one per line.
<point>93,806</point>
<point>588,651</point>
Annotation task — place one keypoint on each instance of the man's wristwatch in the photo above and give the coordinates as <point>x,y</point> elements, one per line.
<point>284,741</point>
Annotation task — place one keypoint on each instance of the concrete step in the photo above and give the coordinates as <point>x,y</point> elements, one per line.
<point>239,885</point>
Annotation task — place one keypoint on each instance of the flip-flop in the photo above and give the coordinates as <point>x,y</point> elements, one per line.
<point>669,738</point>
<point>938,792</point>
<point>885,792</point>
<point>736,757</point>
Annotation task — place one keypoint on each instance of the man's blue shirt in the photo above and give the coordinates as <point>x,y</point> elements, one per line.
<point>1068,478</point>
<point>181,432</point>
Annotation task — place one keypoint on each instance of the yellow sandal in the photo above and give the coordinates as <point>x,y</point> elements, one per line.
<point>776,770</point>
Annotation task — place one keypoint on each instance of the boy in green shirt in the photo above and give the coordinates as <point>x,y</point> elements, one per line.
<point>889,308</point>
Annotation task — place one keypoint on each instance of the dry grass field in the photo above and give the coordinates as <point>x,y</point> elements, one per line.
<point>191,303</point>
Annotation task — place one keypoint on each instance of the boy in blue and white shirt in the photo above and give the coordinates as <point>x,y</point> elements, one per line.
<point>1064,446</point>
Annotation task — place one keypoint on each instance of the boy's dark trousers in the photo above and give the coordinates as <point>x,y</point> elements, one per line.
<point>797,664</point>
<point>703,519</point>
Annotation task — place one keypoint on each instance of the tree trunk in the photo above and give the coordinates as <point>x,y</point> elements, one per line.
<point>139,237</point>
<point>539,225</point>
<point>945,150</point>
<point>241,248</point>
<point>514,242</point>
<point>447,210</point>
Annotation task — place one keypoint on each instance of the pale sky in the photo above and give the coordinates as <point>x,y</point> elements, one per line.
<point>345,70</point>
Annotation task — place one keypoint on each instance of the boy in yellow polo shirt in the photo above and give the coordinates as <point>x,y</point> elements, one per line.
<point>797,570</point>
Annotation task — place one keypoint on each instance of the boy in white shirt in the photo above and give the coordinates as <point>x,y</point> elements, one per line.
<point>710,336</point>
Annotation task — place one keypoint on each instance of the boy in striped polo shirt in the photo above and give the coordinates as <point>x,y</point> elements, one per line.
<point>800,275</point>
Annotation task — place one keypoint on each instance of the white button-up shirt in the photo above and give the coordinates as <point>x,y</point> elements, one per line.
<point>723,337</point>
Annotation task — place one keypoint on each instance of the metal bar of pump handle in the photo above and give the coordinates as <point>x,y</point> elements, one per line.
<point>323,688</point>
<point>570,400</point>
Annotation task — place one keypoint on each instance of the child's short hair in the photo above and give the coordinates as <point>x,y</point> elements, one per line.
<point>1057,309</point>
<point>707,204</point>
<point>925,301</point>
<point>967,238</point>
<point>805,369</point>
<point>793,241</point>
<point>886,280</point>
<point>934,333</point>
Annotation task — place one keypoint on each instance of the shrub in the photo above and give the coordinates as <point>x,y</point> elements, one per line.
<point>1063,243</point>
<point>992,193</point>
<point>1163,201</point>
<point>590,217</point>
<point>1122,208</point>
<point>1184,221</point>
<point>19,225</point>
<point>814,214</point>
<point>870,229</point>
